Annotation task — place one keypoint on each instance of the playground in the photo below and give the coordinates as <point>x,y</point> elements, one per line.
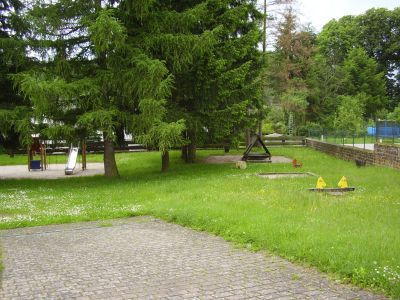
<point>38,163</point>
<point>354,237</point>
<point>53,171</point>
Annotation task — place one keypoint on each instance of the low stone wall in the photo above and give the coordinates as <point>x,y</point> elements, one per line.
<point>382,155</point>
<point>343,152</point>
<point>387,155</point>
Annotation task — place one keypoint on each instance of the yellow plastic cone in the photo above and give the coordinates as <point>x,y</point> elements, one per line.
<point>321,183</point>
<point>343,183</point>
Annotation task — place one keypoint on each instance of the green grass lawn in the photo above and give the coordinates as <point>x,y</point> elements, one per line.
<point>18,159</point>
<point>357,140</point>
<point>356,236</point>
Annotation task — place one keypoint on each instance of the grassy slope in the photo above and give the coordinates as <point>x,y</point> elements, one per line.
<point>356,236</point>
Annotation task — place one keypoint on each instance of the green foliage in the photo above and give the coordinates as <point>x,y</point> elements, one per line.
<point>324,84</point>
<point>164,136</point>
<point>13,112</point>
<point>294,101</point>
<point>277,118</point>
<point>100,75</point>
<point>311,129</point>
<point>55,131</point>
<point>350,113</point>
<point>211,49</point>
<point>337,38</point>
<point>375,33</point>
<point>152,131</point>
<point>107,33</point>
<point>102,119</point>
<point>360,75</point>
<point>152,112</point>
<point>395,115</point>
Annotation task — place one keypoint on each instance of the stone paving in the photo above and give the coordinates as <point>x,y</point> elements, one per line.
<point>144,258</point>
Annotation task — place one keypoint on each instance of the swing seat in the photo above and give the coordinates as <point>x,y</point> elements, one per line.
<point>35,165</point>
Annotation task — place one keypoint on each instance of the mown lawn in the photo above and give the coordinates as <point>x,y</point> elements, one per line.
<point>19,159</point>
<point>356,236</point>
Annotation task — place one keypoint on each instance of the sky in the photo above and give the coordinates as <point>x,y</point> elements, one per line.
<point>320,12</point>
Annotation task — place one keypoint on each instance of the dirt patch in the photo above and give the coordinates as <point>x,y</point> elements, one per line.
<point>225,159</point>
<point>285,175</point>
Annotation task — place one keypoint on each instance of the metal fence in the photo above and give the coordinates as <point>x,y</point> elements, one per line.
<point>387,130</point>
<point>384,132</point>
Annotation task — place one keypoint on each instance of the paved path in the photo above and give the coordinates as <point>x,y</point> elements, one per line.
<point>145,258</point>
<point>362,146</point>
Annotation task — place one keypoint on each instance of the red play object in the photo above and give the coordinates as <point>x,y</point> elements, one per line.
<point>297,164</point>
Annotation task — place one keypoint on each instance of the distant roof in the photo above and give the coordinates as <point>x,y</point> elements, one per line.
<point>274,135</point>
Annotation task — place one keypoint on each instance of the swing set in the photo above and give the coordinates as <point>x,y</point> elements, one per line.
<point>39,148</point>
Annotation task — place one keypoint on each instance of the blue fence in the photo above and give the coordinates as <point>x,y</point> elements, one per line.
<point>385,129</point>
<point>371,131</point>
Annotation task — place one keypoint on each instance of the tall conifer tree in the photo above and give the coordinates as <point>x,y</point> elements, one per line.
<point>14,113</point>
<point>93,77</point>
<point>210,47</point>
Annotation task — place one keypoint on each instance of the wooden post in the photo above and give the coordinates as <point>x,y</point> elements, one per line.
<point>41,157</point>
<point>44,156</point>
<point>83,155</point>
<point>28,150</point>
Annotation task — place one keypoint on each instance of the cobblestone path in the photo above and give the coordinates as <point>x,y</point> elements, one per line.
<point>144,258</point>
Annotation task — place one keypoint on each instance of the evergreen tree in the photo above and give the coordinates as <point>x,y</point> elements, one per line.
<point>228,83</point>
<point>210,47</point>
<point>289,66</point>
<point>323,82</point>
<point>96,76</point>
<point>13,110</point>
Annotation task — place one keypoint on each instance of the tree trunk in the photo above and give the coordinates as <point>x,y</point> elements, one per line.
<point>110,166</point>
<point>184,154</point>
<point>120,135</point>
<point>11,153</point>
<point>191,155</point>
<point>226,148</point>
<point>248,137</point>
<point>165,161</point>
<point>227,145</point>
<point>189,151</point>
<point>191,148</point>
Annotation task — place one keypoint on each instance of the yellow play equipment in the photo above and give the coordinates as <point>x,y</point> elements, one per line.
<point>343,187</point>
<point>343,183</point>
<point>320,183</point>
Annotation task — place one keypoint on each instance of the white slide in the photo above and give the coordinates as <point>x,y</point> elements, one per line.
<point>70,166</point>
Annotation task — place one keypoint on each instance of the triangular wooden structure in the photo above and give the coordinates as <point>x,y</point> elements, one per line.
<point>256,157</point>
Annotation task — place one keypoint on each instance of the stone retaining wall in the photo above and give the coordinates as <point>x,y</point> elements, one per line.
<point>342,152</point>
<point>383,155</point>
<point>387,155</point>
